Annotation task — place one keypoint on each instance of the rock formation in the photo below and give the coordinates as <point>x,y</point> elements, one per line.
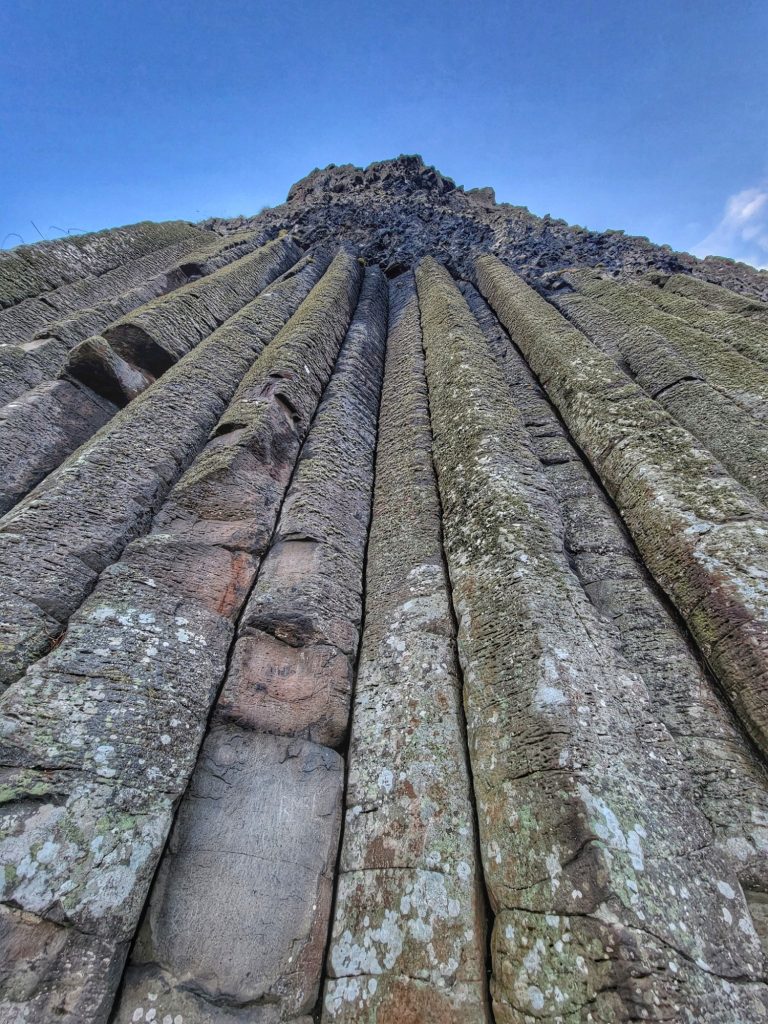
<point>383,619</point>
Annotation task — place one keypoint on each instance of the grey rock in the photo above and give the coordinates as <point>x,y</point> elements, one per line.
<point>258,829</point>
<point>408,928</point>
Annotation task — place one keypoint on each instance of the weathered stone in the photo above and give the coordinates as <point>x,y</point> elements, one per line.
<point>408,928</point>
<point>278,687</point>
<point>30,363</point>
<point>257,830</point>
<point>34,345</point>
<point>731,432</point>
<point>96,365</point>
<point>563,744</point>
<point>729,782</point>
<point>195,574</point>
<point>714,296</point>
<point>110,381</point>
<point>100,737</point>
<point>40,429</point>
<point>743,324</point>
<point>159,333</point>
<point>106,493</point>
<point>31,269</point>
<point>301,360</point>
<point>737,376</point>
<point>292,666</point>
<point>702,536</point>
<point>29,318</point>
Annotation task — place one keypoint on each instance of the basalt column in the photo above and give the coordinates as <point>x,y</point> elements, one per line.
<point>610,897</point>
<point>54,543</point>
<point>701,534</point>
<point>408,938</point>
<point>731,429</point>
<point>237,923</point>
<point>730,783</point>
<point>101,736</point>
<point>41,428</point>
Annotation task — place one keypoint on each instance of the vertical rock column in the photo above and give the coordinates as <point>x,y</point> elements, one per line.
<point>732,318</point>
<point>738,376</point>
<point>408,937</point>
<point>610,899</point>
<point>55,542</point>
<point>729,780</point>
<point>41,428</point>
<point>702,536</point>
<point>292,666</point>
<point>237,922</point>
<point>731,430</point>
<point>100,737</point>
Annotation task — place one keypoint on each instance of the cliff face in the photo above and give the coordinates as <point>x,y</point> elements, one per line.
<point>383,619</point>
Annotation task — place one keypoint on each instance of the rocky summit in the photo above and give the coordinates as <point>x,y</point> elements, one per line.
<point>383,619</point>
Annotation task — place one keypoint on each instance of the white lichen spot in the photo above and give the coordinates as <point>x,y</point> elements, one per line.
<point>727,890</point>
<point>535,997</point>
<point>635,847</point>
<point>48,852</point>
<point>554,868</point>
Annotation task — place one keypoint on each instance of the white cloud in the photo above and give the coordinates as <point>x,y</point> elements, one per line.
<point>742,232</point>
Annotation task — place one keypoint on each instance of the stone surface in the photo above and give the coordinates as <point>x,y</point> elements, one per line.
<point>703,537</point>
<point>159,333</point>
<point>39,430</point>
<point>105,493</point>
<point>30,270</point>
<point>728,779</point>
<point>104,379</point>
<point>732,427</point>
<point>408,928</point>
<point>584,806</point>
<point>37,333</point>
<point>292,666</point>
<point>743,324</point>
<point>100,737</point>
<point>258,829</point>
<point>536,582</point>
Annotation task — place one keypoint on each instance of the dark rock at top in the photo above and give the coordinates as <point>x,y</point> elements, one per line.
<point>398,211</point>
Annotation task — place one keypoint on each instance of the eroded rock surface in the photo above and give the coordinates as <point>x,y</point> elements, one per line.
<point>387,651</point>
<point>408,929</point>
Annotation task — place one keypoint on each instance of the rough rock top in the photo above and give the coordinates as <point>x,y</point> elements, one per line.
<point>400,210</point>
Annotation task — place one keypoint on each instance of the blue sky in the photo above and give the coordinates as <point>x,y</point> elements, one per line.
<point>648,116</point>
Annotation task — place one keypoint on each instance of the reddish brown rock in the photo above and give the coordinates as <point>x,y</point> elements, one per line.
<point>292,666</point>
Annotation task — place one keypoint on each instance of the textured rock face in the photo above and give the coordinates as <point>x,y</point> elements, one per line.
<point>382,651</point>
